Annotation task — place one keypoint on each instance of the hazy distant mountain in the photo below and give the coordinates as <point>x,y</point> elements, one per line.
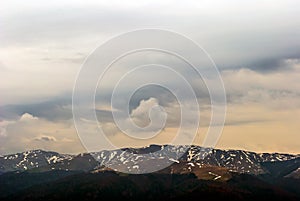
<point>210,173</point>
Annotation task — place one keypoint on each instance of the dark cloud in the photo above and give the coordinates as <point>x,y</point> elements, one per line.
<point>163,95</point>
<point>272,64</point>
<point>104,116</point>
<point>52,110</point>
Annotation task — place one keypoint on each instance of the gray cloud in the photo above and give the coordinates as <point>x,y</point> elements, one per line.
<point>254,44</point>
<point>273,64</point>
<point>65,35</point>
<point>53,110</point>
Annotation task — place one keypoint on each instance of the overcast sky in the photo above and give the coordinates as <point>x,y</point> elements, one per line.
<point>255,45</point>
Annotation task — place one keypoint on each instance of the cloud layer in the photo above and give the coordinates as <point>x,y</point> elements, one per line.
<point>255,45</point>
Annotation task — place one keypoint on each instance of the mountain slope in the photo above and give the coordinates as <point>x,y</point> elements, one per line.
<point>194,172</point>
<point>114,186</point>
<point>129,158</point>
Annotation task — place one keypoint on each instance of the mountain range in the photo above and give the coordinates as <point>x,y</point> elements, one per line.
<point>194,172</point>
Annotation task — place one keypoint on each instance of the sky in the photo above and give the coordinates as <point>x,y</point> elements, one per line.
<point>255,45</point>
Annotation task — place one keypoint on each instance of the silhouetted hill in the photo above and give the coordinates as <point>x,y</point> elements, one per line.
<point>112,186</point>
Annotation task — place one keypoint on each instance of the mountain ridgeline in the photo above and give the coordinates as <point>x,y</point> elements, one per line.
<point>194,172</point>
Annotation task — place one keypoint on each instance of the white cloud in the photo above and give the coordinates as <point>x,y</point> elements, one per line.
<point>45,138</point>
<point>3,126</point>
<point>141,114</point>
<point>30,132</point>
<point>279,89</point>
<point>28,117</point>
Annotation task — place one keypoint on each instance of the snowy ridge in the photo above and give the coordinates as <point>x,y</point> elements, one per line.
<point>135,159</point>
<point>30,160</point>
<point>236,160</point>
